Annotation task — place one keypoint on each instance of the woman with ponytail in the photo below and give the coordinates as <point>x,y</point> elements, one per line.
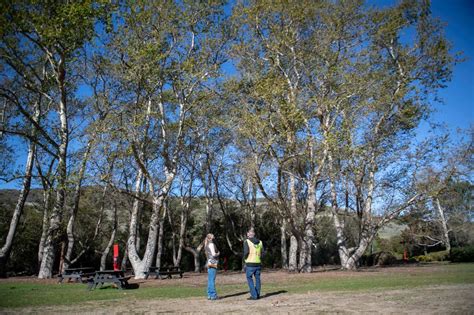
<point>212,255</point>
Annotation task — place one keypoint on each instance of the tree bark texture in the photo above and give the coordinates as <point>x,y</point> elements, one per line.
<point>283,246</point>
<point>75,207</point>
<point>17,212</point>
<point>46,268</point>
<point>196,252</point>
<point>293,254</point>
<point>105,252</point>
<point>161,234</point>
<point>444,225</point>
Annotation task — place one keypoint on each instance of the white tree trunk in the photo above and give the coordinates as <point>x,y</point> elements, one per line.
<point>159,251</point>
<point>293,259</point>
<point>46,268</point>
<point>17,212</point>
<point>44,226</point>
<point>196,252</point>
<point>303,253</point>
<point>131,242</point>
<point>75,208</point>
<point>307,242</point>
<point>182,231</point>
<point>174,250</point>
<point>140,266</point>
<point>208,212</point>
<point>444,225</point>
<point>47,192</point>
<point>105,253</point>
<point>283,246</point>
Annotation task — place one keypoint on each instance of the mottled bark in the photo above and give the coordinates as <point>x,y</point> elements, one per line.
<point>196,252</point>
<point>293,254</point>
<point>159,251</point>
<point>47,193</point>
<point>207,182</point>
<point>106,250</point>
<point>444,225</point>
<point>308,238</point>
<point>44,225</point>
<point>46,268</point>
<point>140,265</point>
<point>182,231</point>
<point>350,256</point>
<point>173,240</point>
<point>283,246</point>
<point>61,255</point>
<point>17,212</point>
<point>75,207</point>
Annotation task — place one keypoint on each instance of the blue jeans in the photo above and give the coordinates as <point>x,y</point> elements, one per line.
<point>211,283</point>
<point>254,288</point>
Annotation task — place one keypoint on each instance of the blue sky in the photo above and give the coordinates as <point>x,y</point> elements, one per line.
<point>457,109</point>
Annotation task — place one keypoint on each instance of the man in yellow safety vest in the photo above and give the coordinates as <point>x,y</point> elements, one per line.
<point>253,250</point>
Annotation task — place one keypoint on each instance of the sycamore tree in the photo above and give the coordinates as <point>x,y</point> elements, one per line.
<point>38,33</point>
<point>332,94</point>
<point>291,56</point>
<point>165,54</point>
<point>270,54</point>
<point>372,168</point>
<point>445,178</point>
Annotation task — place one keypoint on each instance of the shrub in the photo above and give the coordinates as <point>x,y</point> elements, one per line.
<point>385,259</point>
<point>435,256</point>
<point>462,254</point>
<point>378,259</point>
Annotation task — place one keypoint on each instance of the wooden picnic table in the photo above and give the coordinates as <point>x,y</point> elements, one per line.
<point>108,276</point>
<point>163,273</point>
<point>76,274</point>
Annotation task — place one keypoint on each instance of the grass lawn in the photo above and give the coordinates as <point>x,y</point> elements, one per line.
<point>36,293</point>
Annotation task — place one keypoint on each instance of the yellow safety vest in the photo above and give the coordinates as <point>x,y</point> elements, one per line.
<point>255,251</point>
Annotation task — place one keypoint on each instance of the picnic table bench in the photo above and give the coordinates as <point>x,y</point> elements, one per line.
<point>76,274</point>
<point>163,273</point>
<point>108,276</point>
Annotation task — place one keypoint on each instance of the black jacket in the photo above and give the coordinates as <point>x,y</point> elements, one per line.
<point>246,251</point>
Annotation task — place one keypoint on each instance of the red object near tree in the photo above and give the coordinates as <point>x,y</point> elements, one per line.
<point>116,258</point>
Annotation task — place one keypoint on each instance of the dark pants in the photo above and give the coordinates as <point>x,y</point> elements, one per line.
<point>254,288</point>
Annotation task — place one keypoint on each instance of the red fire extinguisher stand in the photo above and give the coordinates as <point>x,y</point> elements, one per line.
<point>116,258</point>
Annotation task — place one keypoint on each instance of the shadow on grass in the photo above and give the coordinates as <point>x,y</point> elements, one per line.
<point>130,286</point>
<point>133,286</point>
<point>232,295</point>
<point>326,269</point>
<point>273,293</point>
